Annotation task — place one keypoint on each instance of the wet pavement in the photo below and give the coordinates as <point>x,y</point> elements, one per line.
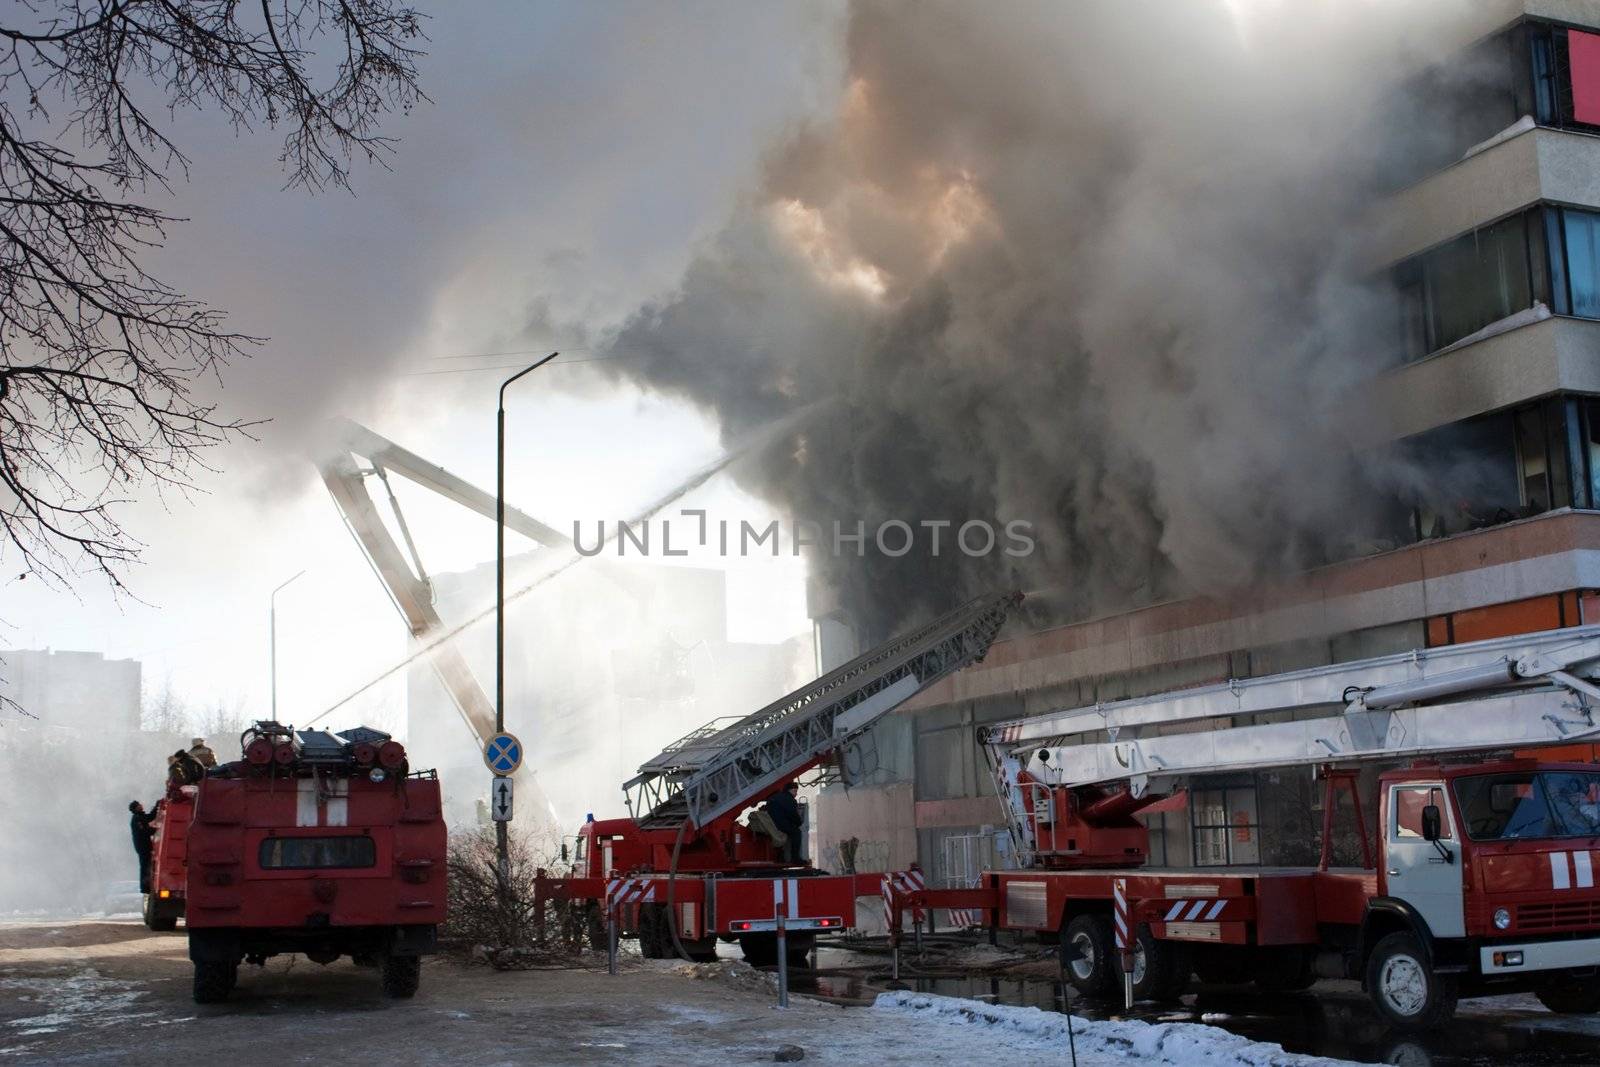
<point>1331,1019</point>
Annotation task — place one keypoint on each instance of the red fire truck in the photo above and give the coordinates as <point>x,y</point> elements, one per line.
<point>163,904</point>
<point>683,872</point>
<point>1480,880</point>
<point>318,843</point>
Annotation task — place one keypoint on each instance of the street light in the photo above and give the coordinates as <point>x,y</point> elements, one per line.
<point>273,600</point>
<point>502,849</point>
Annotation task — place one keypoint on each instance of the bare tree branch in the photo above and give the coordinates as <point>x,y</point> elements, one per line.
<point>99,360</point>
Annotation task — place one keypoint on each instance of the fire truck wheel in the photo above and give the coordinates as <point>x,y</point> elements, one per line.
<point>1156,966</point>
<point>1572,996</point>
<point>214,981</point>
<point>1088,955</point>
<point>655,940</point>
<point>401,975</point>
<point>1405,990</point>
<point>155,918</point>
<point>594,927</point>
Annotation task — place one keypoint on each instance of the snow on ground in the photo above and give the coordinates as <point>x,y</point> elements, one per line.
<point>83,999</point>
<point>1097,1041</point>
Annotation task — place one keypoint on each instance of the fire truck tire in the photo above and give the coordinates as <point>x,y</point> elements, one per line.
<point>1405,989</point>
<point>655,940</point>
<point>1160,969</point>
<point>214,981</point>
<point>401,975</point>
<point>1089,940</point>
<point>155,918</point>
<point>1571,997</point>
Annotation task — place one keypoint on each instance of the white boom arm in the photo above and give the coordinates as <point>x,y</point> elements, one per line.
<point>1521,692</point>
<point>405,580</point>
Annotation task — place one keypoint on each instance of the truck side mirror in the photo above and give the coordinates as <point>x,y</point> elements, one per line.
<point>1430,823</point>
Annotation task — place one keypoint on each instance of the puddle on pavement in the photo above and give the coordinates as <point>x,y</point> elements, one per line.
<point>1327,1024</point>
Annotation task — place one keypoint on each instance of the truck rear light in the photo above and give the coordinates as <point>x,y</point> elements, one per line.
<point>742,926</point>
<point>828,924</point>
<point>164,894</point>
<point>1508,959</point>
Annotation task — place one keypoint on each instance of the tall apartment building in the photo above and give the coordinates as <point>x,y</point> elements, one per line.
<point>73,691</point>
<point>1493,248</point>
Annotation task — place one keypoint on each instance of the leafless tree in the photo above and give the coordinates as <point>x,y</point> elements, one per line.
<point>99,360</point>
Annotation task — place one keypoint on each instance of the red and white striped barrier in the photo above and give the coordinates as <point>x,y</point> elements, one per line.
<point>903,882</point>
<point>1119,919</point>
<point>624,891</point>
<point>1204,910</point>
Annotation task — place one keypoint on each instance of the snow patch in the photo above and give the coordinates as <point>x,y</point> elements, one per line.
<point>1526,317</point>
<point>1175,1043</point>
<point>1521,126</point>
<point>85,998</point>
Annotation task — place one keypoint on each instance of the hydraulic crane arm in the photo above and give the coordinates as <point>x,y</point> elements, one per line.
<point>726,766</point>
<point>403,579</point>
<point>1521,692</point>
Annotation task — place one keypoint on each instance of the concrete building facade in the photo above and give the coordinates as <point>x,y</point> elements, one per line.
<point>73,691</point>
<point>1492,247</point>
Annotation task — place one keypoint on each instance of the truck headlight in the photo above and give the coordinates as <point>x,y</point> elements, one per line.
<point>1502,919</point>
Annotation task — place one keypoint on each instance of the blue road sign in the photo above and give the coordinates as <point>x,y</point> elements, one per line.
<point>503,753</point>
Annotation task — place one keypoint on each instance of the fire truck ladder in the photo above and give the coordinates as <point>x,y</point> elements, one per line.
<point>1509,693</point>
<point>405,580</point>
<point>721,766</point>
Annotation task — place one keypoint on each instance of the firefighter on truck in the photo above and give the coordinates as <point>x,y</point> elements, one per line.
<point>318,843</point>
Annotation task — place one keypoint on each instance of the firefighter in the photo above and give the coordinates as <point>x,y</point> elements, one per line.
<point>183,769</point>
<point>784,809</point>
<point>139,823</point>
<point>201,753</point>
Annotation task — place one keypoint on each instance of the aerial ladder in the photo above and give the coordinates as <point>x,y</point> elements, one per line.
<point>685,870</point>
<point>1513,693</point>
<point>365,459</point>
<point>1479,878</point>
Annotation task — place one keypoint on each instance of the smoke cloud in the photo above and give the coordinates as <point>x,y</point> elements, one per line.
<point>1095,267</point>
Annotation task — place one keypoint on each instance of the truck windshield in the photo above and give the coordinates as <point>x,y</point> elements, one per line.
<point>1499,807</point>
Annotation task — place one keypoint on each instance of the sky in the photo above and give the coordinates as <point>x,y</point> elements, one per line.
<point>571,159</point>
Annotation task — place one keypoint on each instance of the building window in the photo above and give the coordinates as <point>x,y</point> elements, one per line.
<point>1580,237</point>
<point>1547,255</point>
<point>1477,279</point>
<point>1227,826</point>
<point>1505,466</point>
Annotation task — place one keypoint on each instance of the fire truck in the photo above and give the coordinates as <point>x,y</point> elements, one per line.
<point>319,843</point>
<point>1479,879</point>
<point>163,904</point>
<point>681,871</point>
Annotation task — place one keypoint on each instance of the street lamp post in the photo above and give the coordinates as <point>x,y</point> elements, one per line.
<point>273,642</point>
<point>502,848</point>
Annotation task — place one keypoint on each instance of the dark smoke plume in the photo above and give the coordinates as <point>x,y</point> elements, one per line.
<point>1093,266</point>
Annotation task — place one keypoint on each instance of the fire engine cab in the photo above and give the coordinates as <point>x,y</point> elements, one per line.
<point>318,843</point>
<point>1480,880</point>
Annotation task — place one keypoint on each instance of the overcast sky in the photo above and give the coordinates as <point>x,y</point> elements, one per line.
<point>571,159</point>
